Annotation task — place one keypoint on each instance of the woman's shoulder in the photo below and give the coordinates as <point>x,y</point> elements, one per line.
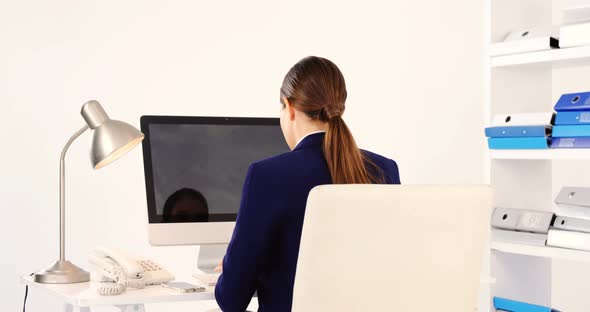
<point>378,159</point>
<point>387,165</point>
<point>285,162</point>
<point>274,162</point>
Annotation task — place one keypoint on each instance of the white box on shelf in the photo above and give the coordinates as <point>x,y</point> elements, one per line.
<point>569,239</point>
<point>574,35</point>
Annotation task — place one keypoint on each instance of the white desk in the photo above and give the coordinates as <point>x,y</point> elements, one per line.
<point>82,296</point>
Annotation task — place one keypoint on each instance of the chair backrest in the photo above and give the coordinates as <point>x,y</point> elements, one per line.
<point>392,248</point>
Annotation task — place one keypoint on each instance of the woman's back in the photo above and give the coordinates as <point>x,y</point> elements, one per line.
<point>262,255</point>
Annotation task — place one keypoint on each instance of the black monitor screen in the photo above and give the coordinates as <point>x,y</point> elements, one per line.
<point>195,166</point>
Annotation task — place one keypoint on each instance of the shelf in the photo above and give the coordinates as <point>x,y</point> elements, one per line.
<point>577,56</point>
<point>542,251</point>
<point>548,154</point>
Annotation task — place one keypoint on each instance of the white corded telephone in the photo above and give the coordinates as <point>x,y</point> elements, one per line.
<point>117,271</point>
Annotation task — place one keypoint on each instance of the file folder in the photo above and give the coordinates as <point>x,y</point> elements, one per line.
<point>518,131</point>
<point>569,239</point>
<point>572,118</point>
<point>581,142</point>
<point>524,119</point>
<point>522,220</point>
<point>571,131</point>
<point>571,224</point>
<point>519,143</point>
<point>573,102</point>
<point>519,306</point>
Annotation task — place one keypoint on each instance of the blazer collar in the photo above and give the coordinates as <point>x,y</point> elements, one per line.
<point>312,140</point>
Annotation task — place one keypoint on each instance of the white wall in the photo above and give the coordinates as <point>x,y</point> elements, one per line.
<point>413,69</point>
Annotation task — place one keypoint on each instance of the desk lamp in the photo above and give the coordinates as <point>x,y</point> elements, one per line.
<point>111,139</point>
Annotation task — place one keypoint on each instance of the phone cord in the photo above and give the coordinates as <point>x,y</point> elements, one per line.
<point>119,285</point>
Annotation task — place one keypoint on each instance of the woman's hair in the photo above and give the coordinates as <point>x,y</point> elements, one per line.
<point>316,87</point>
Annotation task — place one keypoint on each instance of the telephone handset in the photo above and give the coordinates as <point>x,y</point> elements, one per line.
<point>117,271</point>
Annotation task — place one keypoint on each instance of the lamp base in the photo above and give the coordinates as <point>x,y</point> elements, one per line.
<point>62,272</point>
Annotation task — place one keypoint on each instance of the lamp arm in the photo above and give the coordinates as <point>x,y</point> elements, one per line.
<point>62,193</point>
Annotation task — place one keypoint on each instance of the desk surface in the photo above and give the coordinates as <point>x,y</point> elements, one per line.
<point>84,294</point>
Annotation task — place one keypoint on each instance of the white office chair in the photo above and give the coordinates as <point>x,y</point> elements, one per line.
<point>392,248</point>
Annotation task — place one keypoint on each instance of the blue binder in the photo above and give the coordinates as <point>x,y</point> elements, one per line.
<point>573,102</point>
<point>519,143</point>
<point>572,131</point>
<point>583,142</point>
<point>518,131</point>
<point>572,118</point>
<point>519,306</point>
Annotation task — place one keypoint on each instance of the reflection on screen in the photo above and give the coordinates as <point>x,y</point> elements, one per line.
<point>199,170</point>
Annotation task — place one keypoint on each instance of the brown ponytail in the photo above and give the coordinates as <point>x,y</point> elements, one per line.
<point>316,87</point>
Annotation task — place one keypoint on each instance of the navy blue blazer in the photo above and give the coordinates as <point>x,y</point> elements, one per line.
<point>262,254</point>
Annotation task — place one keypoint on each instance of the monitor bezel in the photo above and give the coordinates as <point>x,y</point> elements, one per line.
<point>147,120</point>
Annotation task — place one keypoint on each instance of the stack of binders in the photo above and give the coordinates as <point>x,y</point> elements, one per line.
<point>519,226</point>
<point>571,228</point>
<point>572,123</point>
<point>520,131</point>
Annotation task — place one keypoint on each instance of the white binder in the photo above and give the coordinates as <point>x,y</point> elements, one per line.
<point>522,220</point>
<point>571,224</point>
<point>523,119</point>
<point>525,238</point>
<point>573,195</point>
<point>526,40</point>
<point>569,239</point>
<point>573,202</point>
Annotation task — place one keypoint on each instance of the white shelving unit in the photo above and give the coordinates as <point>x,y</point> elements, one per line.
<point>550,154</point>
<point>530,179</point>
<point>557,57</point>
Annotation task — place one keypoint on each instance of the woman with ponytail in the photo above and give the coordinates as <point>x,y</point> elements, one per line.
<point>262,254</point>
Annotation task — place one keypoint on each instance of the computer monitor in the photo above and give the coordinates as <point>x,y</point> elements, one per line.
<point>194,173</point>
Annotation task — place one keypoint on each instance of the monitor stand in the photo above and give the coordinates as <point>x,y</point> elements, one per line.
<point>209,258</point>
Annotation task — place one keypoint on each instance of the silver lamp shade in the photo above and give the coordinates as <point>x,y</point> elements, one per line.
<point>111,139</point>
